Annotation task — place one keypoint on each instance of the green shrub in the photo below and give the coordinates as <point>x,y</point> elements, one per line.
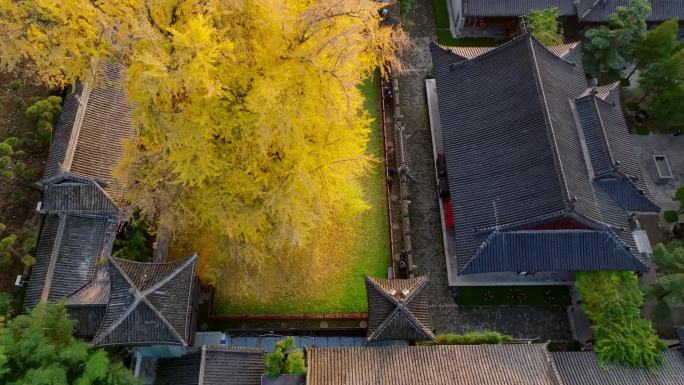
<point>20,244</point>
<point>668,289</point>
<point>671,216</point>
<point>133,243</point>
<point>44,112</point>
<point>472,338</point>
<point>641,129</point>
<point>7,305</point>
<point>284,359</point>
<point>294,364</point>
<point>544,24</point>
<point>7,154</point>
<point>612,301</point>
<point>15,85</point>
<point>274,361</point>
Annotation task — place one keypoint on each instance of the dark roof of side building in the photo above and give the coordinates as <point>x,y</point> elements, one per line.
<point>89,135</point>
<point>149,303</point>
<point>501,8</point>
<point>528,145</point>
<point>79,226</point>
<point>661,10</point>
<point>75,194</point>
<point>213,365</point>
<point>398,309</point>
<point>680,336</point>
<point>88,305</point>
<point>582,368</point>
<point>526,364</point>
<point>585,10</point>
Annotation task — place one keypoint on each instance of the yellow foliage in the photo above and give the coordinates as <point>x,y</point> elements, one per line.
<point>59,41</point>
<point>252,128</point>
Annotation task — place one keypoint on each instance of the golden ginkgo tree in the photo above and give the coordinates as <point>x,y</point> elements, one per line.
<point>252,128</point>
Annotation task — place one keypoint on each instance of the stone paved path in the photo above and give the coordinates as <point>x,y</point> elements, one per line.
<point>428,251</point>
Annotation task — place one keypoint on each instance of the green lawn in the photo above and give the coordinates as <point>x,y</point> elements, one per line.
<point>444,33</point>
<point>370,253</point>
<point>556,295</point>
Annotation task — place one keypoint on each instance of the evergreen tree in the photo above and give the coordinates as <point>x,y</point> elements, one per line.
<point>658,45</point>
<point>668,290</point>
<point>609,49</point>
<point>39,349</point>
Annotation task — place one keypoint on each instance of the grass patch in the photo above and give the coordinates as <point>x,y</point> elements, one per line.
<point>441,13</point>
<point>368,253</point>
<point>514,295</point>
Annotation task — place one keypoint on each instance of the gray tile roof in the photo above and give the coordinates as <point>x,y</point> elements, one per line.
<point>87,306</point>
<point>586,10</point>
<point>398,309</point>
<point>213,365</point>
<point>62,132</point>
<point>87,317</point>
<point>78,227</point>
<point>563,50</point>
<point>582,368</point>
<point>623,178</point>
<point>661,10</point>
<point>495,8</point>
<point>182,370</point>
<point>521,133</point>
<point>95,292</point>
<point>433,365</point>
<point>585,250</point>
<point>88,139</point>
<point>74,194</point>
<point>68,247</point>
<point>149,303</point>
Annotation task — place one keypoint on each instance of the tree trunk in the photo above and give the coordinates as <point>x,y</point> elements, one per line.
<point>161,250</point>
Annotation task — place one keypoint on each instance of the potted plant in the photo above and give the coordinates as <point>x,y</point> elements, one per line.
<point>284,365</point>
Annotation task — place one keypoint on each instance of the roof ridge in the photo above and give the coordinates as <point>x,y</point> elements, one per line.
<point>93,279</point>
<point>82,100</point>
<point>169,276</point>
<point>525,222</point>
<point>491,52</point>
<point>56,246</point>
<point>552,364</point>
<point>550,231</point>
<point>400,307</point>
<point>603,131</point>
<point>536,73</point>
<point>154,263</point>
<point>141,296</point>
<point>586,11</point>
<point>422,280</point>
<point>188,311</point>
<point>561,58</point>
<point>164,321</point>
<point>101,334</point>
<point>231,349</point>
<point>203,360</point>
